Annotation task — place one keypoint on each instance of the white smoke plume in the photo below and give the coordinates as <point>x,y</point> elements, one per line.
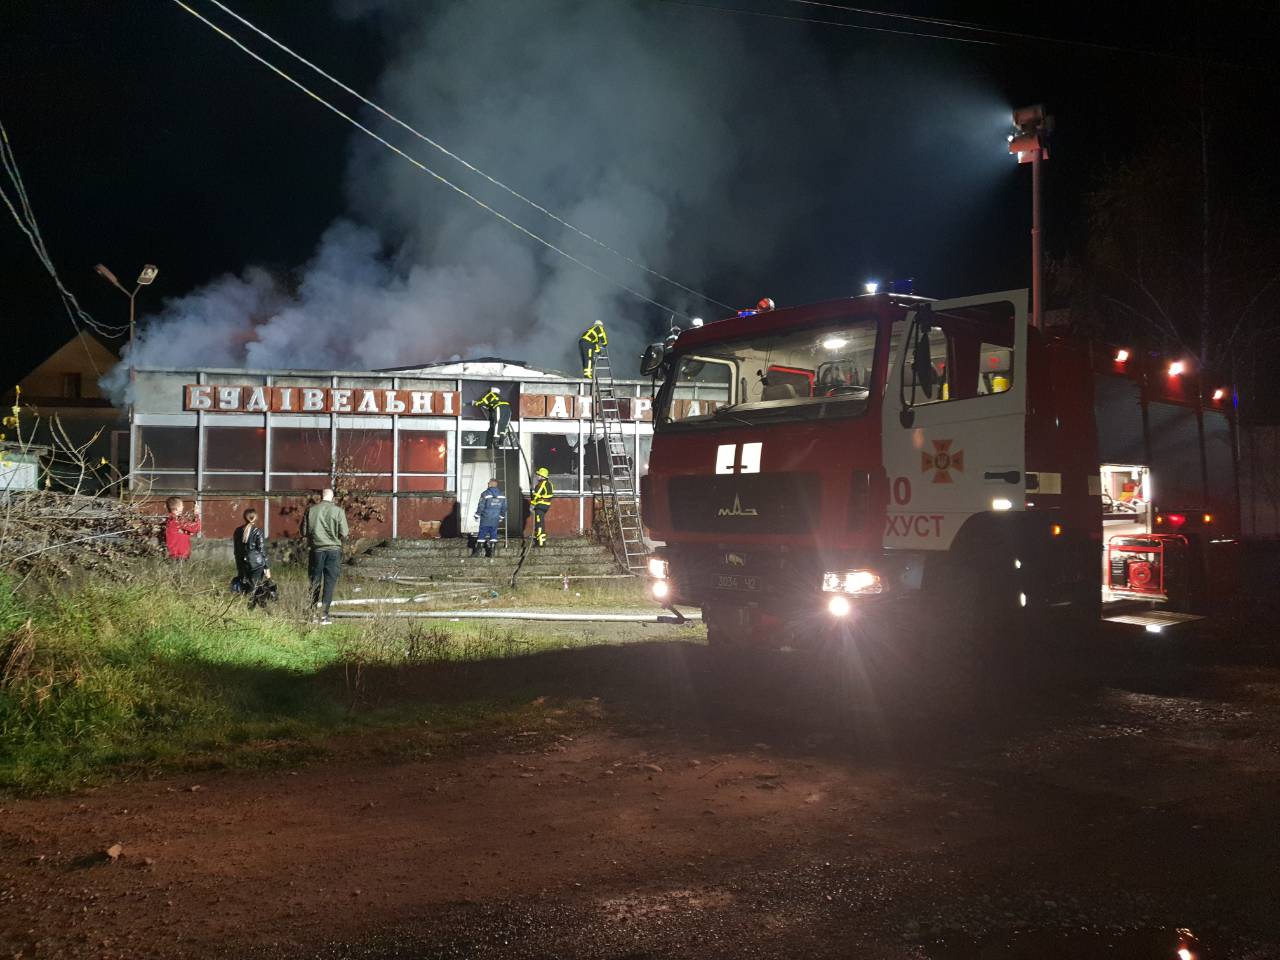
<point>658,129</point>
<point>626,123</point>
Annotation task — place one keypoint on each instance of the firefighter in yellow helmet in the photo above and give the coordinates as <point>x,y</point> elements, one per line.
<point>499,413</point>
<point>592,341</point>
<point>540,503</point>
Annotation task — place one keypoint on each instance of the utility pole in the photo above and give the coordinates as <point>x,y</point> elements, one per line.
<point>145,278</point>
<point>1030,143</point>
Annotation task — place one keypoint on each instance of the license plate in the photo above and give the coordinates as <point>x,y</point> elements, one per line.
<point>737,582</point>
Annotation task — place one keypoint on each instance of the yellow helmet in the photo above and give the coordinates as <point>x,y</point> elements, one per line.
<point>999,384</point>
<point>544,472</point>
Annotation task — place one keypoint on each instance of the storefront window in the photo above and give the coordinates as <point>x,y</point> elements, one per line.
<point>232,481</point>
<point>300,449</point>
<point>145,483</point>
<point>242,449</point>
<point>310,482</point>
<point>558,452</point>
<point>166,447</point>
<point>364,451</point>
<point>361,483</point>
<point>421,484</point>
<point>598,465</point>
<point>423,451</point>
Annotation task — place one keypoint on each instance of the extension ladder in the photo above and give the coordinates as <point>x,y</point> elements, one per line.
<point>506,440</point>
<point>616,494</point>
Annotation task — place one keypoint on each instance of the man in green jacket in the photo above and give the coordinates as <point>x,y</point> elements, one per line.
<point>325,527</point>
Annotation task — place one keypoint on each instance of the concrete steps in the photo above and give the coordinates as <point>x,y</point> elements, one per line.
<point>407,551</point>
<point>451,560</point>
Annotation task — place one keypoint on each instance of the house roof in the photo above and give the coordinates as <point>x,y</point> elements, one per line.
<point>491,367</point>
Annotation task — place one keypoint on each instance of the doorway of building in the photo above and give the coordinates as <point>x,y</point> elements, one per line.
<point>477,467</point>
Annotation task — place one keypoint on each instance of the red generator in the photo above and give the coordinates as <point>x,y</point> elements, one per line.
<point>1149,566</point>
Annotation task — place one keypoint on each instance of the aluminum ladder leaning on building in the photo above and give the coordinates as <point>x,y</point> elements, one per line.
<point>506,440</point>
<point>616,491</point>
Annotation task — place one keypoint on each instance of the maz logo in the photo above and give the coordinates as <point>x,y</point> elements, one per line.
<point>737,510</point>
<point>727,460</point>
<point>734,559</point>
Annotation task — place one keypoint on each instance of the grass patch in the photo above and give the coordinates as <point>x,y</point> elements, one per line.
<point>168,673</point>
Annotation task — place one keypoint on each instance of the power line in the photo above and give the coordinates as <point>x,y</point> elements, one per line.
<point>979,28</point>
<point>453,156</point>
<point>27,223</point>
<point>829,23</point>
<point>966,26</point>
<point>24,215</point>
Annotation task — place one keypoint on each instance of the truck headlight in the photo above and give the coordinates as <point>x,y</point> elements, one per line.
<point>857,583</point>
<point>658,568</point>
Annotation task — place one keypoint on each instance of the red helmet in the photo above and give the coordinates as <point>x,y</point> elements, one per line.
<point>765,304</point>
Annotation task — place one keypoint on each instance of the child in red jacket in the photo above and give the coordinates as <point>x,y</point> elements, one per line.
<point>177,531</point>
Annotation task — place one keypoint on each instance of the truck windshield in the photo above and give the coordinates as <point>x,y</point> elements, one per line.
<point>801,374</point>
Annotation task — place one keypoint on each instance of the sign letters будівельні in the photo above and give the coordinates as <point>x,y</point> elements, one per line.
<point>215,398</point>
<point>357,401</point>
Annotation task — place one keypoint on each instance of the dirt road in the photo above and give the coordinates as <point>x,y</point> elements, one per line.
<point>771,808</point>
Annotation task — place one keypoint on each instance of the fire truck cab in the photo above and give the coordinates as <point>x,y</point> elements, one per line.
<point>810,462</point>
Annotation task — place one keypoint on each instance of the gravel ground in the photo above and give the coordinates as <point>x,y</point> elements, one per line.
<point>771,805</point>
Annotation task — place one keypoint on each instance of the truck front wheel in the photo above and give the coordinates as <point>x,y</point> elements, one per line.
<point>727,627</point>
<point>742,628</point>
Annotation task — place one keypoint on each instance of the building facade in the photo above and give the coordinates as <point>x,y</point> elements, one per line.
<point>410,441</point>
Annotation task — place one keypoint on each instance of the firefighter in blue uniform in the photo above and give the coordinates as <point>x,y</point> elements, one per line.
<point>540,503</point>
<point>592,341</point>
<point>499,413</point>
<point>490,511</point>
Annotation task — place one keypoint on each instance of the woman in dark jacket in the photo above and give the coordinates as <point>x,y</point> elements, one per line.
<point>250,547</point>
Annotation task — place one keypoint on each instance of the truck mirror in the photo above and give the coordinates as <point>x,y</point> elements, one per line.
<point>652,358</point>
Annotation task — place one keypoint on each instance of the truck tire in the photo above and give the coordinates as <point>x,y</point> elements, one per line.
<point>724,628</point>
<point>741,628</point>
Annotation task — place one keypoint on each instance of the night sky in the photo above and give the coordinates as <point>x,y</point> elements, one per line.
<point>145,138</point>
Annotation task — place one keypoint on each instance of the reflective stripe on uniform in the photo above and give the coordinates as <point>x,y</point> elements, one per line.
<point>542,493</point>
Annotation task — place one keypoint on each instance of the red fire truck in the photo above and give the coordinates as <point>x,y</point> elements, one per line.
<point>812,462</point>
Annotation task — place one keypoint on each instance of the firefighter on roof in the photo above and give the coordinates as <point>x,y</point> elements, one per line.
<point>499,413</point>
<point>490,511</point>
<point>540,503</point>
<point>592,341</point>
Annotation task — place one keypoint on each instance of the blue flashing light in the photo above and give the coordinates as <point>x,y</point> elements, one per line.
<point>747,313</point>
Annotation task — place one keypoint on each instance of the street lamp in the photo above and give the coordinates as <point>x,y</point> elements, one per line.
<point>1029,142</point>
<point>145,278</point>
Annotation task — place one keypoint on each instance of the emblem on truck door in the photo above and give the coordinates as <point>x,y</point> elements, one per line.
<point>734,560</point>
<point>942,461</point>
<point>737,510</point>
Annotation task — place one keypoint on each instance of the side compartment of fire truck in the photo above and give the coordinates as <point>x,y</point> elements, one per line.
<point>1167,480</point>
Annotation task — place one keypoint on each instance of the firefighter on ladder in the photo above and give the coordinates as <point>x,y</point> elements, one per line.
<point>499,413</point>
<point>540,503</point>
<point>592,341</point>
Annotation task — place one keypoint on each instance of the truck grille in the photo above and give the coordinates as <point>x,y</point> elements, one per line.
<point>744,504</point>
